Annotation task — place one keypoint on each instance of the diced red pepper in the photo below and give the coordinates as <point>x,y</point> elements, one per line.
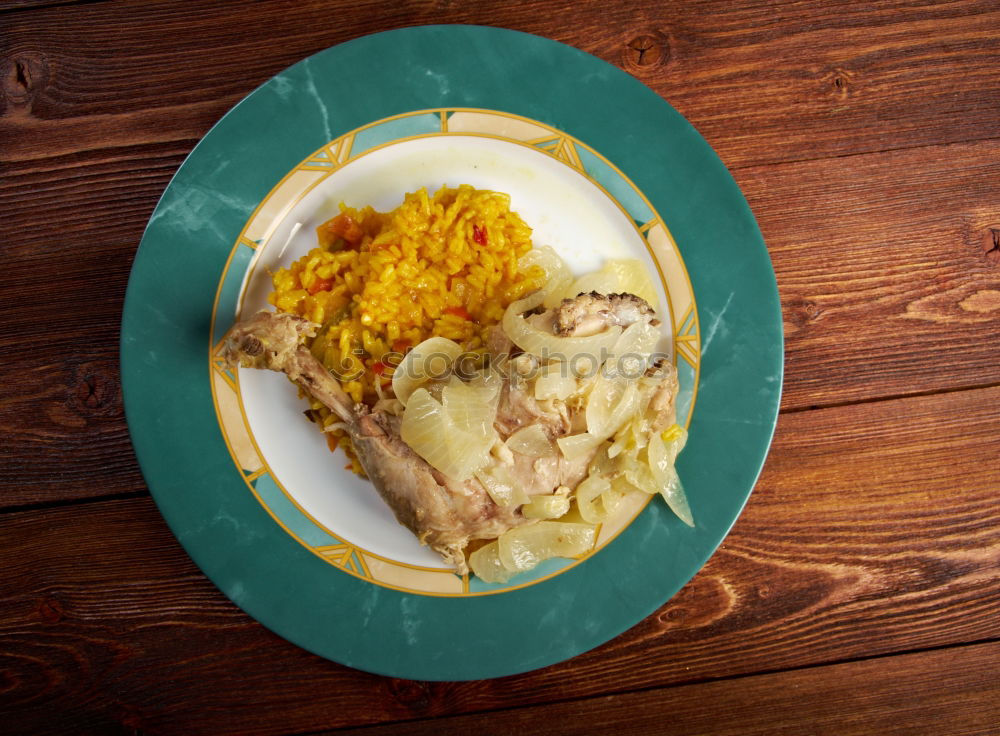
<point>400,346</point>
<point>478,234</point>
<point>378,368</point>
<point>458,312</point>
<point>320,285</point>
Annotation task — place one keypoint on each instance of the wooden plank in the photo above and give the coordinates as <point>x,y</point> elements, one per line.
<point>955,689</point>
<point>874,530</point>
<point>828,79</point>
<point>764,83</point>
<point>64,430</point>
<point>8,5</point>
<point>889,281</point>
<point>69,234</point>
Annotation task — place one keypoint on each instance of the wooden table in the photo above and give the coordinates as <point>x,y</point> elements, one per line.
<point>860,590</point>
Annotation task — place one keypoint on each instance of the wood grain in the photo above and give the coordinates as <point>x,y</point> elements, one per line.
<point>7,5</point>
<point>886,286</point>
<point>874,530</point>
<point>763,83</point>
<point>900,695</point>
<point>76,443</point>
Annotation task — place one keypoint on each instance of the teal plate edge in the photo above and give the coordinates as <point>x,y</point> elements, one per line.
<point>165,333</point>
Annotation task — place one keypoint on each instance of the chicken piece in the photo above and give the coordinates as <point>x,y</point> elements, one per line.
<point>446,514</point>
<point>497,342</point>
<point>588,314</point>
<point>443,513</point>
<point>518,408</point>
<point>273,341</point>
<point>662,404</point>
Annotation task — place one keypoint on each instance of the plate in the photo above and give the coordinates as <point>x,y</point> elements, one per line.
<point>567,191</point>
<point>599,165</point>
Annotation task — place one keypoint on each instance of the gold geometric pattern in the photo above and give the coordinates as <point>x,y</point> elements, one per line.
<point>345,557</point>
<point>561,147</point>
<point>229,411</point>
<point>331,157</point>
<point>686,339</point>
<point>251,477</point>
<point>222,367</point>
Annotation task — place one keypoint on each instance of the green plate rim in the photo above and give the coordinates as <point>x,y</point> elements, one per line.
<point>165,380</point>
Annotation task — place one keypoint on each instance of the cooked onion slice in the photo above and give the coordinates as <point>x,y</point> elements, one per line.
<point>596,499</point>
<point>630,354</point>
<point>523,548</point>
<point>431,433</point>
<point>557,273</point>
<point>471,407</point>
<point>633,278</point>
<point>606,395</point>
<point>628,438</point>
<point>544,344</point>
<point>612,402</point>
<point>577,445</point>
<point>556,382</point>
<point>430,359</point>
<point>532,441</point>
<point>486,565</point>
<point>501,486</point>
<point>661,463</point>
<point>552,506</point>
<point>611,407</point>
<point>637,473</point>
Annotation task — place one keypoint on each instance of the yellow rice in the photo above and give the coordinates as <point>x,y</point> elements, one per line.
<point>444,266</point>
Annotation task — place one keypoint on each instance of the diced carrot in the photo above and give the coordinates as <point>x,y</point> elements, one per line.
<point>341,226</point>
<point>321,285</point>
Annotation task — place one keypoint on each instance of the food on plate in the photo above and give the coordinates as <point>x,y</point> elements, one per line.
<point>500,439</point>
<point>380,283</point>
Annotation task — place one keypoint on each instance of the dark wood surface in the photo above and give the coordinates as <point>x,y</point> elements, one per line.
<point>858,593</point>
